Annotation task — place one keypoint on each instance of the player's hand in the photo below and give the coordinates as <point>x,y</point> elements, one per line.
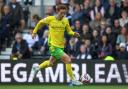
<point>76,34</point>
<point>33,36</point>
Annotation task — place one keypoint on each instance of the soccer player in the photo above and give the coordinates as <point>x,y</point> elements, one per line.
<point>58,24</point>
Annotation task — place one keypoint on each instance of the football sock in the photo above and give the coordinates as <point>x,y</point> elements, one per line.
<point>45,64</point>
<point>69,71</point>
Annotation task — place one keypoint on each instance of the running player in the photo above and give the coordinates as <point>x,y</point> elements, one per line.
<point>57,24</point>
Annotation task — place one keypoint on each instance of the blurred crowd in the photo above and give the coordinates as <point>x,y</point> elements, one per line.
<point>102,24</point>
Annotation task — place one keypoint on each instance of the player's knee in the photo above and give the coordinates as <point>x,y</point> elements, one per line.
<point>68,59</point>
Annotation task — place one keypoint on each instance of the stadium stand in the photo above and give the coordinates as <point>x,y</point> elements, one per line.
<point>102,24</point>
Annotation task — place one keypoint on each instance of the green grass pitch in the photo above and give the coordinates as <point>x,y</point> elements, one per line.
<point>63,87</point>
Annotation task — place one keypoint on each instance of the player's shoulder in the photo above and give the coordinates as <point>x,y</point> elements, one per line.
<point>49,17</point>
<point>65,19</point>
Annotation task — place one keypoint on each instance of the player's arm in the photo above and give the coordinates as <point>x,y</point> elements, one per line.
<point>39,25</point>
<point>69,30</point>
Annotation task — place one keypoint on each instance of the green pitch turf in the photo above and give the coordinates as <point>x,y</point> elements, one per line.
<point>63,87</point>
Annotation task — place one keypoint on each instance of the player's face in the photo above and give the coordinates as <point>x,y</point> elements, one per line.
<point>62,13</point>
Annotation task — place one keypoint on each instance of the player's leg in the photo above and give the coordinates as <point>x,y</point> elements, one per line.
<point>67,60</point>
<point>60,54</point>
<point>43,65</point>
<point>47,63</point>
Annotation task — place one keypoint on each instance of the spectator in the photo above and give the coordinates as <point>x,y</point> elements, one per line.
<point>86,33</point>
<point>118,2</point>
<point>71,6</point>
<point>20,48</point>
<point>18,22</point>
<point>98,8</point>
<point>34,21</point>
<point>26,13</point>
<point>95,38</point>
<point>5,24</point>
<point>112,39</point>
<point>122,54</point>
<point>102,28</point>
<point>78,14</point>
<point>105,48</point>
<point>58,2</point>
<point>77,27</point>
<point>2,3</point>
<point>95,43</point>
<point>105,3</point>
<point>122,37</point>
<point>86,11</point>
<point>116,28</point>
<point>112,12</point>
<point>84,53</point>
<point>124,5</point>
<point>72,47</point>
<point>92,3</point>
<point>90,50</point>
<point>32,43</point>
<point>111,36</point>
<point>95,24</point>
<point>124,18</point>
<point>50,10</point>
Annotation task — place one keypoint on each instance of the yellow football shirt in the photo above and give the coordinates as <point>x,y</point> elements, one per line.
<point>56,30</point>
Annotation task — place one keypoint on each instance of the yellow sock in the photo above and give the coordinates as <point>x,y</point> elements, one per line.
<point>45,64</point>
<point>69,71</point>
